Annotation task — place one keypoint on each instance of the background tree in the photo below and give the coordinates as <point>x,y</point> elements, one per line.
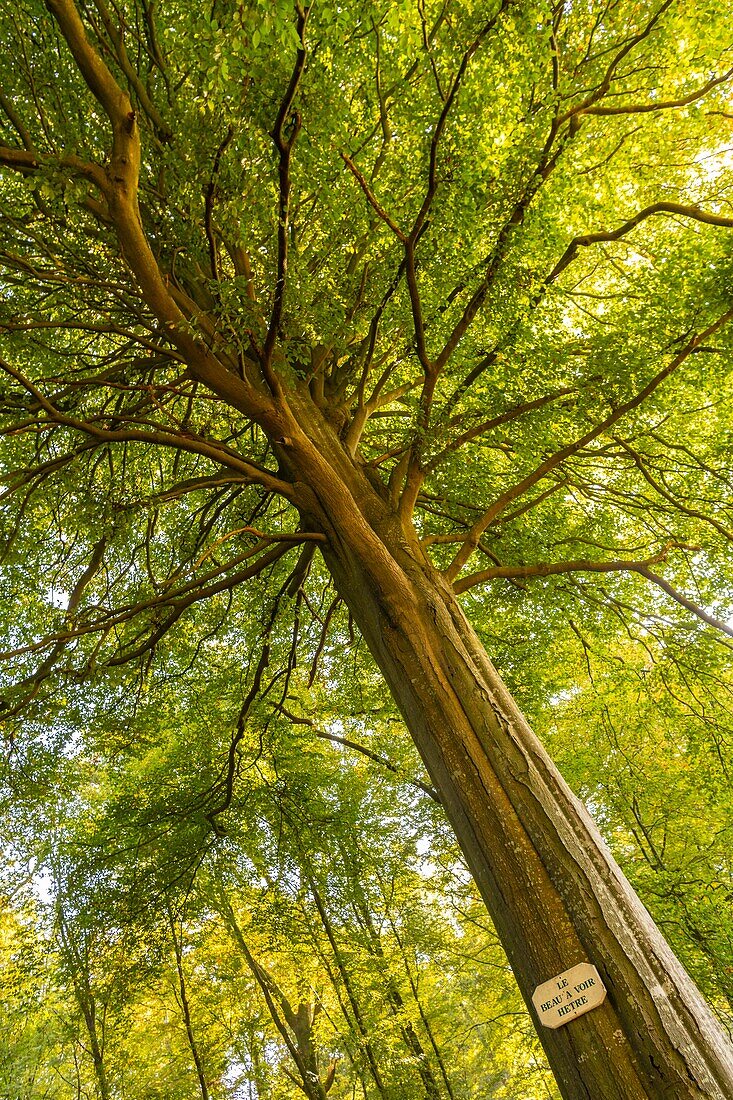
<point>442,336</point>
<point>413,975</point>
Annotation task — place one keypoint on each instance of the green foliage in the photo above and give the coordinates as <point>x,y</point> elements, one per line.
<point>198,744</point>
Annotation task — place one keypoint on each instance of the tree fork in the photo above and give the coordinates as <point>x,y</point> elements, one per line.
<point>553,890</point>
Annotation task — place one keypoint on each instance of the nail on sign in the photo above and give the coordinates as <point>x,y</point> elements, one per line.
<point>569,995</point>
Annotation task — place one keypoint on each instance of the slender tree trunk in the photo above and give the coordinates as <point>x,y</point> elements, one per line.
<point>296,1027</point>
<point>77,963</point>
<point>186,1008</point>
<point>100,1071</point>
<point>359,1026</point>
<point>423,1016</point>
<point>357,1041</point>
<point>553,890</point>
<point>394,997</point>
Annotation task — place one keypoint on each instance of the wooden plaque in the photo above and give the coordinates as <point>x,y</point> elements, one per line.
<point>568,995</point>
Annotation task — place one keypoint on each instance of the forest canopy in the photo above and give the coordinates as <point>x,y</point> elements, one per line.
<point>346,349</point>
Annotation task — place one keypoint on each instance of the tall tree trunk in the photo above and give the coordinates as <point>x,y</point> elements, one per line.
<point>553,890</point>
<point>423,1016</point>
<point>77,962</point>
<point>295,1025</point>
<point>394,997</point>
<point>358,1025</point>
<point>185,1006</point>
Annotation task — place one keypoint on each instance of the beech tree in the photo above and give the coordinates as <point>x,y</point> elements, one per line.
<point>420,301</point>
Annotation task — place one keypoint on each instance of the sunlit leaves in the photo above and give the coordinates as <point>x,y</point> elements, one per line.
<point>198,733</point>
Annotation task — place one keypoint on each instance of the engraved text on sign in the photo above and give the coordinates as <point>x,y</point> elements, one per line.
<point>568,995</point>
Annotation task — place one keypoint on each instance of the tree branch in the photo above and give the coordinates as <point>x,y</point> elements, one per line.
<point>600,91</point>
<point>551,569</point>
<point>383,761</point>
<point>614,235</point>
<point>696,610</point>
<point>120,187</point>
<point>496,421</point>
<point>182,440</point>
<point>284,146</point>
<point>560,456</point>
<point>641,465</point>
<point>373,200</point>
<point>663,105</point>
<point>118,44</point>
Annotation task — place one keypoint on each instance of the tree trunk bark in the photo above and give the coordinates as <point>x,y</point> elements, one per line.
<point>554,892</point>
<point>186,1008</point>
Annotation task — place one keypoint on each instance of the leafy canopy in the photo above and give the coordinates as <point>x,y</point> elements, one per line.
<point>490,245</point>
